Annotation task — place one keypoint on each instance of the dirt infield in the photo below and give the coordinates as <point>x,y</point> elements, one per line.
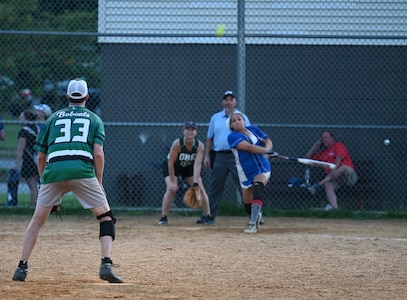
<point>289,258</point>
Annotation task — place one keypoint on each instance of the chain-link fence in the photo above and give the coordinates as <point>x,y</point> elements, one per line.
<point>297,68</point>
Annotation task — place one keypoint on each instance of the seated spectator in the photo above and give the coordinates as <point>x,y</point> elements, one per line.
<point>329,150</point>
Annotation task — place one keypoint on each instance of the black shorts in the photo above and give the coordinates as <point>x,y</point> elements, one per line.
<point>28,169</point>
<point>183,172</point>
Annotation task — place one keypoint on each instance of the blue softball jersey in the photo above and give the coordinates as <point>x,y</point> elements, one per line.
<point>249,164</point>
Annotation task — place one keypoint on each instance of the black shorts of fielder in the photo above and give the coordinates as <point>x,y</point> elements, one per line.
<point>183,172</point>
<point>183,187</point>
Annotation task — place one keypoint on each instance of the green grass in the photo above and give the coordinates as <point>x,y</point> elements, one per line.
<point>68,200</point>
<point>8,147</point>
<point>70,206</point>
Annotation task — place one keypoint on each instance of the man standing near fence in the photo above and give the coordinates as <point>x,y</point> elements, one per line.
<point>2,130</point>
<point>71,158</point>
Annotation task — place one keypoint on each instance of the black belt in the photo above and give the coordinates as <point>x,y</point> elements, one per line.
<point>225,151</point>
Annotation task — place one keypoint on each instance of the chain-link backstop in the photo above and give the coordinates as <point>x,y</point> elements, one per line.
<point>297,67</point>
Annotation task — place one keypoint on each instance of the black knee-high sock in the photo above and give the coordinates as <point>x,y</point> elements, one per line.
<point>248,208</point>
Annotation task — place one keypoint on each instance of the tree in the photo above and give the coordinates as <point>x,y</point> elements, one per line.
<point>29,59</point>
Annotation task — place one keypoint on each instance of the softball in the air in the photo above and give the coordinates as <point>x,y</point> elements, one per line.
<point>220,31</point>
<point>386,142</point>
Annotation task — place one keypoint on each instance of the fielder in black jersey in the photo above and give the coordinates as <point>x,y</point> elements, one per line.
<point>71,159</point>
<point>185,160</point>
<point>26,155</point>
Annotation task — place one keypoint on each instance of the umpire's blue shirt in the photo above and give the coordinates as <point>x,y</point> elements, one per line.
<point>219,130</point>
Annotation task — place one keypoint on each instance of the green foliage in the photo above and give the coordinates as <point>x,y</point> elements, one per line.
<point>9,145</point>
<point>48,15</point>
<point>29,59</point>
<point>55,7</point>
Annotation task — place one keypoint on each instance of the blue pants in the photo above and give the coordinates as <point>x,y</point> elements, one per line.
<point>12,187</point>
<point>223,165</point>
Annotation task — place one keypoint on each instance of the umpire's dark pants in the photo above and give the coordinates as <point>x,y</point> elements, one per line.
<point>223,165</point>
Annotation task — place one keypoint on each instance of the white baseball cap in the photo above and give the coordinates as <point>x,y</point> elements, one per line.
<point>77,89</point>
<point>44,108</point>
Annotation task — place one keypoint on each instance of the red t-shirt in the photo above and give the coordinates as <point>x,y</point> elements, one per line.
<point>330,154</point>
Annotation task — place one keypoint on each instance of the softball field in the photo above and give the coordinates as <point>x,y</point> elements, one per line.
<point>289,258</point>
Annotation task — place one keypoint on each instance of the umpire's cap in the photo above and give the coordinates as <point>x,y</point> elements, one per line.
<point>228,93</point>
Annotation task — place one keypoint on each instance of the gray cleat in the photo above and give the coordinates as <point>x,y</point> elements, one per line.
<point>106,273</point>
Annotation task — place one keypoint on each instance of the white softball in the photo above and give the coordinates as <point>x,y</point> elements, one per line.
<point>386,142</point>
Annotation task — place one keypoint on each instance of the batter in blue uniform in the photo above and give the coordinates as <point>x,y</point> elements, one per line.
<point>249,146</point>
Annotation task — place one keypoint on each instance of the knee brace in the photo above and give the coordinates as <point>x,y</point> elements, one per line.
<point>107,227</point>
<point>107,214</point>
<point>258,188</point>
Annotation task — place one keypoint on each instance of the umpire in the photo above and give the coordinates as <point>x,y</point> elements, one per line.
<point>71,158</point>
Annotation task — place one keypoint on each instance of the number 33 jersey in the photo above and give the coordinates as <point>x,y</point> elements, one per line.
<point>67,139</point>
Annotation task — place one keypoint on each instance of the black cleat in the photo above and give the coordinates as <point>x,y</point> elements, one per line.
<point>20,274</point>
<point>210,220</point>
<point>201,220</point>
<point>163,221</point>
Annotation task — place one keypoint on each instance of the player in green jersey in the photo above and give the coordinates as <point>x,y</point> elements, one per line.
<point>71,158</point>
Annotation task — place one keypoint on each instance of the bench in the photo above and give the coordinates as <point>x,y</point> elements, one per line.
<point>278,193</point>
<point>363,193</point>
